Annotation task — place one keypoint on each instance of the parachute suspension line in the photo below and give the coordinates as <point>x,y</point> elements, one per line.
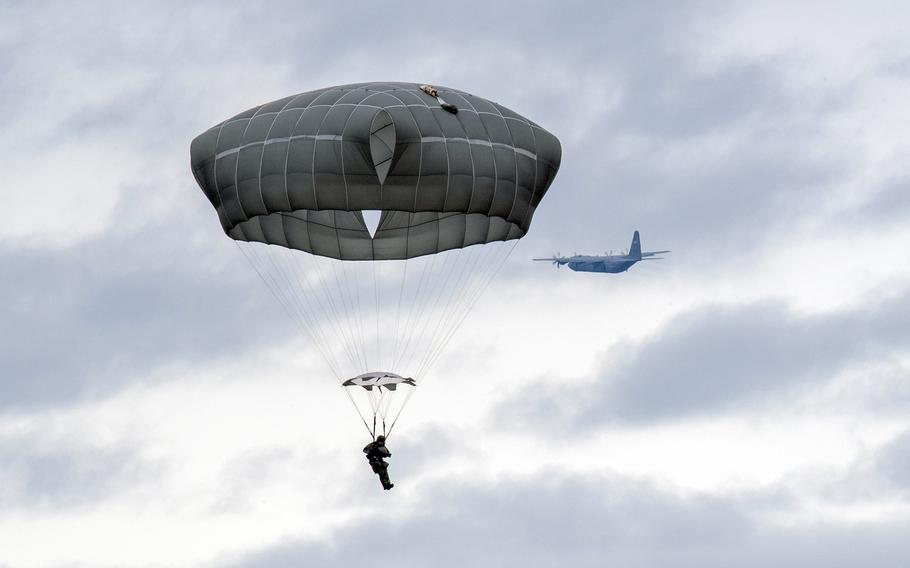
<point>308,301</point>
<point>343,300</point>
<point>400,408</point>
<point>360,319</point>
<point>457,281</point>
<point>448,281</point>
<point>429,288</point>
<point>463,304</point>
<point>387,404</point>
<point>283,271</point>
<point>403,315</point>
<point>384,410</point>
<point>373,397</point>
<point>400,336</point>
<point>355,321</point>
<point>461,308</point>
<point>330,305</point>
<point>404,275</point>
<point>273,289</point>
<point>376,311</point>
<point>301,323</point>
<point>443,279</point>
<point>283,263</point>
<point>348,317</point>
<point>309,265</point>
<point>361,287</point>
<point>335,318</point>
<point>380,402</point>
<point>490,262</point>
<point>287,271</point>
<point>353,275</point>
<point>360,414</point>
<point>300,319</point>
<point>303,307</point>
<point>416,310</point>
<point>477,294</point>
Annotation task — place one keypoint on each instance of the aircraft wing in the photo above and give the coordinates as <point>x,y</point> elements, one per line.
<point>652,253</point>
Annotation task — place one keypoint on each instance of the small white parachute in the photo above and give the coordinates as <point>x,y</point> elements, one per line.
<point>380,390</point>
<point>379,380</point>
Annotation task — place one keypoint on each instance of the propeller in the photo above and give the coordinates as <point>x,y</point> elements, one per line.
<point>555,259</point>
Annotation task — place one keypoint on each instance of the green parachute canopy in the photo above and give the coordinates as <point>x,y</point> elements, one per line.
<point>299,171</point>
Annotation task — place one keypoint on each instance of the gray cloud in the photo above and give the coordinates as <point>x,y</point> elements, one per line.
<point>713,203</point>
<point>893,462</point>
<point>554,520</point>
<point>112,309</point>
<point>54,477</point>
<point>714,357</point>
<point>888,203</point>
<point>713,198</point>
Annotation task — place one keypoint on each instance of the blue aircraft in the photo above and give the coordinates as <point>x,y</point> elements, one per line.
<point>612,263</point>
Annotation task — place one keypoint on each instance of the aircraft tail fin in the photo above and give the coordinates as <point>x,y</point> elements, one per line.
<point>635,247</point>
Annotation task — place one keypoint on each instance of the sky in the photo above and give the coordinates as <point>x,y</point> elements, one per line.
<point>741,403</point>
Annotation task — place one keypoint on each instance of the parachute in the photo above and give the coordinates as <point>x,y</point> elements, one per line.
<point>377,217</point>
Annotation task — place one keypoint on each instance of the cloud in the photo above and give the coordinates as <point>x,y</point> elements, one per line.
<point>888,203</point>
<point>717,356</point>
<point>113,310</point>
<point>687,161</point>
<point>52,477</point>
<point>556,519</point>
<point>714,357</point>
<point>893,461</point>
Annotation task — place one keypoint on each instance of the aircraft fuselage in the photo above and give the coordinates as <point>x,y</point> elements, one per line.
<point>612,265</point>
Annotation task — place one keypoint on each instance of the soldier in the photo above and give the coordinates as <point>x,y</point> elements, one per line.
<point>375,452</point>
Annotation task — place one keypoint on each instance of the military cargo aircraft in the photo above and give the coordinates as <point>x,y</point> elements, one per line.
<point>612,263</point>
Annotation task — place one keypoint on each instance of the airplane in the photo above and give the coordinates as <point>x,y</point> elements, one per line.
<point>612,263</point>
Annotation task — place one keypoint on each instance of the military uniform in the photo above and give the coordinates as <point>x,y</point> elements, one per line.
<point>375,452</point>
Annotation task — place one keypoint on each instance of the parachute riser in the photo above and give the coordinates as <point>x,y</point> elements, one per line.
<point>379,389</point>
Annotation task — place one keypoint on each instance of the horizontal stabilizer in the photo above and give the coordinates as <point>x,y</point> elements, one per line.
<point>652,253</point>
